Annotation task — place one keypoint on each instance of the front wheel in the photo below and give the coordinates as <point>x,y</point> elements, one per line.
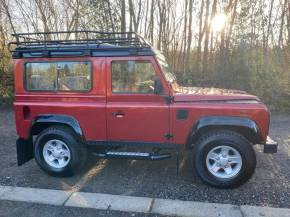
<point>58,151</point>
<point>224,159</point>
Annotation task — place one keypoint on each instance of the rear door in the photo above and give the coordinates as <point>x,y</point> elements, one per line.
<point>134,112</point>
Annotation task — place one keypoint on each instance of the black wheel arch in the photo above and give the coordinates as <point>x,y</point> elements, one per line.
<point>44,121</point>
<point>245,126</point>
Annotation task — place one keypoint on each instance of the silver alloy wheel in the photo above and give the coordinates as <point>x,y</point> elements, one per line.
<point>224,162</point>
<point>56,153</point>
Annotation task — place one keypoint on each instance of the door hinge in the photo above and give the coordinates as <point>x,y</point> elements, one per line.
<point>168,136</point>
<point>168,99</point>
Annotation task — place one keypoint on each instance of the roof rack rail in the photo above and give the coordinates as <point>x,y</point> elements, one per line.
<point>80,41</point>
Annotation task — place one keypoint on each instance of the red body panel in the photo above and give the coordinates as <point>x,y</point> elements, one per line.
<point>89,108</point>
<point>182,128</point>
<point>147,118</point>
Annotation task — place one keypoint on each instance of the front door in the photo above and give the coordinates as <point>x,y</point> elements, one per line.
<point>134,112</point>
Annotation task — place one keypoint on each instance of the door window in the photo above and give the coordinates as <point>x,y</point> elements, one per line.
<point>136,77</point>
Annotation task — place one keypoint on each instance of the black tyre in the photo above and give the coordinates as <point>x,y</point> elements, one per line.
<point>224,159</point>
<point>59,152</point>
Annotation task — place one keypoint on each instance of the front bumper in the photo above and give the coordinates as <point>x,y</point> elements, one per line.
<point>271,146</point>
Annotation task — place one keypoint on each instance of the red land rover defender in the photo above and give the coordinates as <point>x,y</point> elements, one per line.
<point>94,92</point>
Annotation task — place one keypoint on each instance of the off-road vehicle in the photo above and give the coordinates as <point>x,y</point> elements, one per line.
<point>86,92</point>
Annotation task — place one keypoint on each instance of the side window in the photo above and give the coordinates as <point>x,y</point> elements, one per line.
<point>40,76</point>
<point>74,75</point>
<point>58,76</point>
<point>133,77</point>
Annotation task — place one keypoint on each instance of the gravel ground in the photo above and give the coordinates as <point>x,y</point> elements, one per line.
<point>270,185</point>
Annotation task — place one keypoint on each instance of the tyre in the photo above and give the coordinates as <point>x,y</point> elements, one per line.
<point>224,159</point>
<point>58,151</point>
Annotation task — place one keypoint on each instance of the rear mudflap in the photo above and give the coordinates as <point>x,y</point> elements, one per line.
<point>271,146</point>
<point>24,149</point>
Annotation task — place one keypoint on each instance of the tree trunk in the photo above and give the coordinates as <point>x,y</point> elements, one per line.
<point>213,13</point>
<point>200,36</point>
<point>151,23</point>
<point>233,17</point>
<point>189,36</point>
<point>183,66</point>
<point>288,25</point>
<point>269,25</point>
<point>123,16</point>
<point>206,29</point>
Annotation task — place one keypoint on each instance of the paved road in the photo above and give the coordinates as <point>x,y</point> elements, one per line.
<point>12,208</point>
<point>270,185</point>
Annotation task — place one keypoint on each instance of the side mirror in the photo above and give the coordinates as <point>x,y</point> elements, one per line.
<point>158,89</point>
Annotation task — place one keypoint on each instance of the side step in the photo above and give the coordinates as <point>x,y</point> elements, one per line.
<point>133,155</point>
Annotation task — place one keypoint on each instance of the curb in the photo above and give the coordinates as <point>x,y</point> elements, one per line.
<point>135,204</point>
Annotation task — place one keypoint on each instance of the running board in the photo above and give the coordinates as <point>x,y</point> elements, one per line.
<point>133,155</point>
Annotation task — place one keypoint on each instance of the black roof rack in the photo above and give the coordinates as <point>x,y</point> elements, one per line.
<point>78,43</point>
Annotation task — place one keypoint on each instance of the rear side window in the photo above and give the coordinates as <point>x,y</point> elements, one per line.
<point>58,76</point>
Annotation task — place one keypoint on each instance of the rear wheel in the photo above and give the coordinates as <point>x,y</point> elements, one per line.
<point>224,159</point>
<point>58,151</point>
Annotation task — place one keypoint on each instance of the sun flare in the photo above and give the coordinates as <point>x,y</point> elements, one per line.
<point>218,22</point>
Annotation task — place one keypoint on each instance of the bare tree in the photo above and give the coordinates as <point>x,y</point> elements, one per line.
<point>189,34</point>
<point>252,41</point>
<point>123,16</point>
<point>8,14</point>
<point>207,31</point>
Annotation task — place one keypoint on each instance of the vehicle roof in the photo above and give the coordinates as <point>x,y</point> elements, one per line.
<point>79,44</point>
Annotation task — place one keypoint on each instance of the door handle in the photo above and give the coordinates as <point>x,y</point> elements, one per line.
<point>118,114</point>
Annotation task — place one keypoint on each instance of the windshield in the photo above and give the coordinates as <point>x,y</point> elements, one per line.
<point>169,76</point>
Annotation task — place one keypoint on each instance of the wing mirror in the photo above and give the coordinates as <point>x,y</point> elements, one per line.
<point>158,89</point>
